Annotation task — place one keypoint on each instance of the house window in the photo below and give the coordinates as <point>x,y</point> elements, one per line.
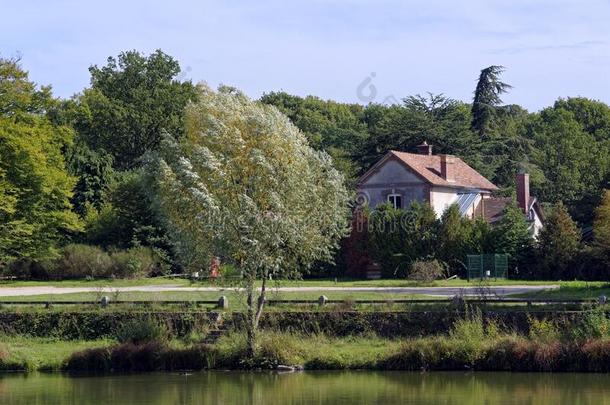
<point>395,200</point>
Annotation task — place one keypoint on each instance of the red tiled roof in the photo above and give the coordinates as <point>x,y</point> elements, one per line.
<point>494,206</point>
<point>429,167</point>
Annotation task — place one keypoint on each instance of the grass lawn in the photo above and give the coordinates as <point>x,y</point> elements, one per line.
<point>234,297</point>
<point>573,289</point>
<point>283,283</point>
<point>43,353</point>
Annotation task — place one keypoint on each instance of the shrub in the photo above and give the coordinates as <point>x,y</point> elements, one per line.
<point>543,330</point>
<point>548,356</point>
<point>143,330</point>
<point>277,348</point>
<point>197,357</point>
<point>469,336</point>
<point>597,355</point>
<point>98,359</point>
<point>80,261</point>
<point>593,325</point>
<point>146,356</point>
<point>29,269</point>
<point>421,354</point>
<point>426,271</point>
<point>89,262</point>
<point>274,348</point>
<point>507,354</point>
<point>137,262</point>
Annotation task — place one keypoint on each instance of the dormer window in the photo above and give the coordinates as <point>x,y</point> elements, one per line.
<point>395,200</point>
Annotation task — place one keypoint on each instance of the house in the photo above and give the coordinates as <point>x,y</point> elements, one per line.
<point>440,180</point>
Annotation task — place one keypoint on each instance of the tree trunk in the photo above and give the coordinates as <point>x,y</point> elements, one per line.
<point>250,321</point>
<point>254,314</point>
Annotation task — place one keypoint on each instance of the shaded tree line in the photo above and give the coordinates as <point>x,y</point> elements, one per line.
<point>72,171</point>
<point>396,239</point>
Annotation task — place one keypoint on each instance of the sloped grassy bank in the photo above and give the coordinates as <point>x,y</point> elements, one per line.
<point>472,342</point>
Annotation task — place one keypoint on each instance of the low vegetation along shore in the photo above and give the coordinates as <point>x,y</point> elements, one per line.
<point>473,342</point>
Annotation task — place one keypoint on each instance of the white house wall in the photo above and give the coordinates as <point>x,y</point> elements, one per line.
<point>441,198</point>
<point>537,224</point>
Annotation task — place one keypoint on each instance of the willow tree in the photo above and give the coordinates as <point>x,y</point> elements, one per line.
<point>244,184</point>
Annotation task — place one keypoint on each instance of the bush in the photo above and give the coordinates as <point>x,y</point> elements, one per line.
<point>80,261</point>
<point>151,356</point>
<point>274,348</point>
<point>420,355</point>
<point>197,357</point>
<point>426,271</point>
<point>97,359</point>
<point>137,262</point>
<point>507,354</point>
<point>543,330</point>
<point>597,355</point>
<point>146,356</point>
<point>593,325</point>
<point>139,331</point>
<point>30,269</point>
<point>85,261</point>
<point>470,336</point>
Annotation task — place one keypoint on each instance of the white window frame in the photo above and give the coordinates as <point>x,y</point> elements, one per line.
<point>392,200</point>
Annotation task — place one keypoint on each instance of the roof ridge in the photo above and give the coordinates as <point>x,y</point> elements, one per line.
<point>426,166</point>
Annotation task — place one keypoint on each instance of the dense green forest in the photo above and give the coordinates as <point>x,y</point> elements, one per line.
<point>72,171</point>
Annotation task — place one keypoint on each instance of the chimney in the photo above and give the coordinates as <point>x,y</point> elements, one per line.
<point>447,167</point>
<point>523,191</point>
<point>424,148</point>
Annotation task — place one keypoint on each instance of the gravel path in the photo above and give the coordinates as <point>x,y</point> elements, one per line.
<point>434,291</point>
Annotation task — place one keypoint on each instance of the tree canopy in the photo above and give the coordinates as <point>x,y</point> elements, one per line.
<point>35,187</point>
<point>245,183</point>
<point>131,100</point>
<point>558,243</point>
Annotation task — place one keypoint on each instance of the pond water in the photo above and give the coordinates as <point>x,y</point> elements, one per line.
<point>356,387</point>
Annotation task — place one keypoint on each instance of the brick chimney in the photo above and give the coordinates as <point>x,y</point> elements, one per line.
<point>523,191</point>
<point>424,148</point>
<point>447,167</point>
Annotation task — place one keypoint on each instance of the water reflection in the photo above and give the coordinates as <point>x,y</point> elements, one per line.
<point>307,388</point>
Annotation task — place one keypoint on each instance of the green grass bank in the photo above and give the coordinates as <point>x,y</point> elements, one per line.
<point>467,340</point>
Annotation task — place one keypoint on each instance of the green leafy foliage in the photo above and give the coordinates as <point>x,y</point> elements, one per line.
<point>558,244</point>
<point>127,218</point>
<point>512,235</point>
<point>574,164</point>
<point>399,237</point>
<point>458,237</point>
<point>90,262</point>
<point>95,174</point>
<point>245,185</point>
<point>328,125</point>
<point>35,187</point>
<point>601,226</point>
<point>131,100</point>
<point>142,330</point>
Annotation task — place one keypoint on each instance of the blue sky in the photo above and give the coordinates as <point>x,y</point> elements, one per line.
<point>330,49</point>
